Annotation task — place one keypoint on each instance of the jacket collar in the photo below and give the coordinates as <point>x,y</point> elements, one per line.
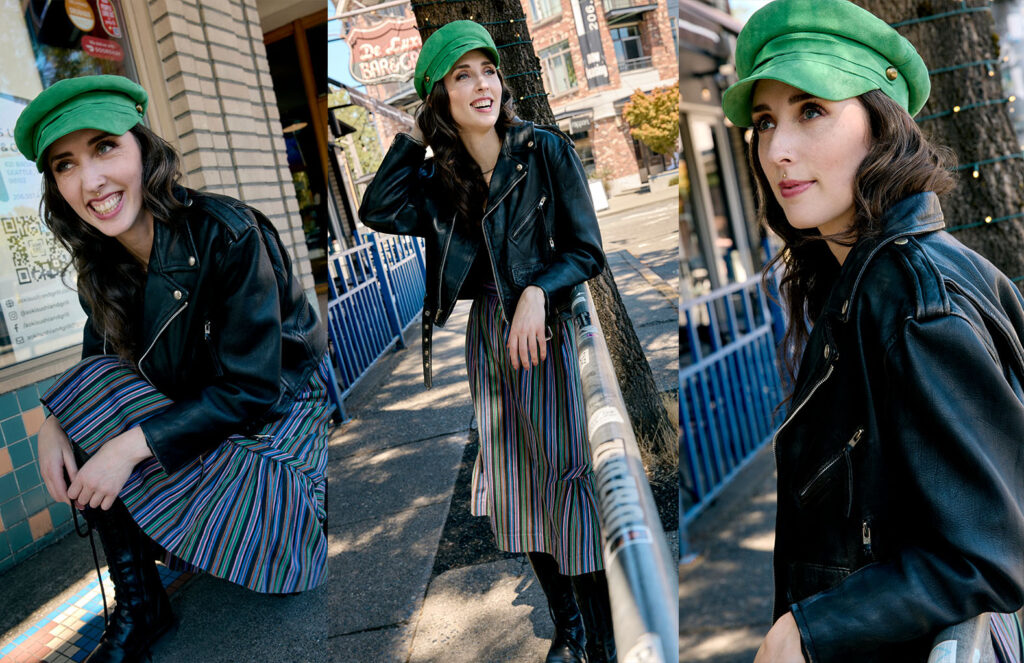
<point>915,215</point>
<point>512,165</point>
<point>174,248</point>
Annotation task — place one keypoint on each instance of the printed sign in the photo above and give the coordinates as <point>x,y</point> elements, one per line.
<point>80,14</point>
<point>108,18</point>
<point>41,314</point>
<point>588,31</point>
<point>384,52</point>
<point>105,49</point>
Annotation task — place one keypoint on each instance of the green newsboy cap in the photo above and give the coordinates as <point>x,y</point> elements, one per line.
<point>443,48</point>
<point>113,104</point>
<point>831,49</point>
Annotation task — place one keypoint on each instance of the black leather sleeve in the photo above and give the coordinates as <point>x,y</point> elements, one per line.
<point>579,255</point>
<point>393,202</point>
<point>956,451</point>
<point>250,361</point>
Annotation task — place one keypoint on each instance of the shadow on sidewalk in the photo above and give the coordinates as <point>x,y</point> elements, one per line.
<point>725,596</point>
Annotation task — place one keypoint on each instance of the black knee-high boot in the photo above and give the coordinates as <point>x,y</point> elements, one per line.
<point>143,611</point>
<point>569,643</point>
<point>592,597</point>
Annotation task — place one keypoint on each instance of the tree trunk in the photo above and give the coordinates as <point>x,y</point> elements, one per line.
<point>655,435</point>
<point>974,134</point>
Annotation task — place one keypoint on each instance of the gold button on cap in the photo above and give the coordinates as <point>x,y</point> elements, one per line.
<point>177,294</point>
<point>891,73</point>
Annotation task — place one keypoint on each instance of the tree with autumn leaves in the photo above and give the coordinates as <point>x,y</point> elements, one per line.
<point>653,118</point>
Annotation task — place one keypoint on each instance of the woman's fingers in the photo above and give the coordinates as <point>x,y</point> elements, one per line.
<point>513,351</point>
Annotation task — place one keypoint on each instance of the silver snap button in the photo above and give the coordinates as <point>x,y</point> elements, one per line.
<point>519,166</point>
<point>177,294</point>
<point>191,261</point>
<point>551,242</point>
<point>827,352</point>
<point>426,313</point>
<point>530,144</point>
<point>901,241</point>
<point>846,306</point>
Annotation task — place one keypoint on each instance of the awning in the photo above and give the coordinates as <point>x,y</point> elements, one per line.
<point>706,30</point>
<point>623,14</point>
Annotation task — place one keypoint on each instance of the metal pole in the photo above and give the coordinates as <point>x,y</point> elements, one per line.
<point>643,583</point>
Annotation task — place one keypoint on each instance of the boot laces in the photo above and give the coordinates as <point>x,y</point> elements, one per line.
<point>95,560</point>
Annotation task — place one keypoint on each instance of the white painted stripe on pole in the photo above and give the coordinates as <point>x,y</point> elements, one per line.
<point>646,650</point>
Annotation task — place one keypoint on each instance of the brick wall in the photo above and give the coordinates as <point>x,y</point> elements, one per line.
<point>224,110</point>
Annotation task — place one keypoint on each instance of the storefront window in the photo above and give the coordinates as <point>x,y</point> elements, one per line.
<point>629,48</point>
<point>44,42</point>
<point>542,9</point>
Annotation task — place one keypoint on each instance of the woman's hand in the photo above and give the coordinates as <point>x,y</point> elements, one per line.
<point>55,457</point>
<point>526,342</point>
<point>101,478</point>
<point>782,644</point>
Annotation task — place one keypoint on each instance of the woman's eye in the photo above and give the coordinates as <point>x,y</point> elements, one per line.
<point>811,111</point>
<point>104,146</point>
<point>763,124</point>
<point>61,166</point>
<point>461,76</point>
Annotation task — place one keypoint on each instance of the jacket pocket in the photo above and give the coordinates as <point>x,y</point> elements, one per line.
<point>837,468</point>
<point>520,226</point>
<point>215,366</point>
<point>523,274</point>
<point>807,579</point>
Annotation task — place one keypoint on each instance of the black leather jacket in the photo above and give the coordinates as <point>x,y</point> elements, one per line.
<point>901,463</point>
<point>227,331</point>
<point>539,226</point>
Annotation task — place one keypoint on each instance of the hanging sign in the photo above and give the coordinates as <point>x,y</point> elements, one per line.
<point>384,52</point>
<point>105,49</point>
<point>588,31</point>
<point>108,18</point>
<point>80,14</point>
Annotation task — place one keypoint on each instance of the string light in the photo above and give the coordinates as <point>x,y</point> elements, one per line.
<point>958,109</point>
<point>967,65</point>
<point>524,73</point>
<point>515,43</point>
<point>987,222</point>
<point>530,96</point>
<point>964,9</point>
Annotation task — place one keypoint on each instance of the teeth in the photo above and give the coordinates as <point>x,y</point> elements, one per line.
<point>108,205</point>
<point>485,104</point>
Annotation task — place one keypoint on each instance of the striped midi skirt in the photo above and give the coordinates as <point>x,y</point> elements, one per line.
<point>533,476</point>
<point>250,511</point>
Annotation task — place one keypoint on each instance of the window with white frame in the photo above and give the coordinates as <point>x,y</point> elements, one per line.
<point>559,74</point>
<point>542,9</point>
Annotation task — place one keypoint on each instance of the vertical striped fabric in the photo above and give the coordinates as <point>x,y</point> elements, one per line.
<point>249,511</point>
<point>533,476</point>
<point>1007,638</point>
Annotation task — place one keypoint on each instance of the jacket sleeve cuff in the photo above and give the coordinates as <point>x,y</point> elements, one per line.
<point>806,642</point>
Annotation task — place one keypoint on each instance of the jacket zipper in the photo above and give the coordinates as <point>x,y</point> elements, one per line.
<point>521,226</point>
<point>793,414</point>
<point>865,537</point>
<point>483,230</point>
<point>156,338</point>
<point>440,271</point>
<point>807,489</point>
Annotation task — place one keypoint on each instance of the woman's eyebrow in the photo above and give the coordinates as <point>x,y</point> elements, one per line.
<point>92,141</point>
<point>795,99</point>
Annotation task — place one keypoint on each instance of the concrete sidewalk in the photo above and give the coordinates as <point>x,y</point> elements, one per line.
<point>393,469</point>
<point>725,594</point>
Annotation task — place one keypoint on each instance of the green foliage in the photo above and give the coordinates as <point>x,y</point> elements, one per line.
<point>654,118</point>
<point>366,141</point>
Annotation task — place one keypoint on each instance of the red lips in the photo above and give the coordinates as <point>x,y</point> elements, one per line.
<point>790,188</point>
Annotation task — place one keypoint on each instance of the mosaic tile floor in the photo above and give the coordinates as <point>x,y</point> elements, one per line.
<point>73,630</point>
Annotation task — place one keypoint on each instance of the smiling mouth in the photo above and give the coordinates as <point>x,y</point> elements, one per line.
<point>107,205</point>
<point>483,104</point>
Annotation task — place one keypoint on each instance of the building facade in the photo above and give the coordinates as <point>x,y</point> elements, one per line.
<point>212,96</point>
<point>594,55</point>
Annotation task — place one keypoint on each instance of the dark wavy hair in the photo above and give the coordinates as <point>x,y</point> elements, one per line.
<point>900,162</point>
<point>461,179</point>
<point>110,280</point>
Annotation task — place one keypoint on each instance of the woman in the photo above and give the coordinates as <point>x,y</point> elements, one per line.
<point>900,464</point>
<point>506,215</point>
<point>195,425</point>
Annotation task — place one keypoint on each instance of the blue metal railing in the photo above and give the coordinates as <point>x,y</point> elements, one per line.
<point>375,289</point>
<point>729,390</point>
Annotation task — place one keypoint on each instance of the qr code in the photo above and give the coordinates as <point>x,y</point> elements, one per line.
<point>35,252</point>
